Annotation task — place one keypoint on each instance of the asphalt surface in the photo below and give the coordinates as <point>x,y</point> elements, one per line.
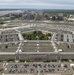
<point>38,68</point>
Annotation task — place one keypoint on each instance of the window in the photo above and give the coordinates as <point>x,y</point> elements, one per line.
<point>6,46</point>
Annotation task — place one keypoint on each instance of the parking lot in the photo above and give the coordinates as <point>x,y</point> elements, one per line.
<point>38,68</point>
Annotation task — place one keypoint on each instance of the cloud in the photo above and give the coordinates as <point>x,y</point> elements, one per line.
<point>6,1</point>
<point>63,4</point>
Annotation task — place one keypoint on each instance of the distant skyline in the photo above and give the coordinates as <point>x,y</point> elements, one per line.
<point>36,4</point>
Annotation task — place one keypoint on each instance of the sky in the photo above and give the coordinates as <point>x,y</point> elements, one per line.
<point>37,4</point>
